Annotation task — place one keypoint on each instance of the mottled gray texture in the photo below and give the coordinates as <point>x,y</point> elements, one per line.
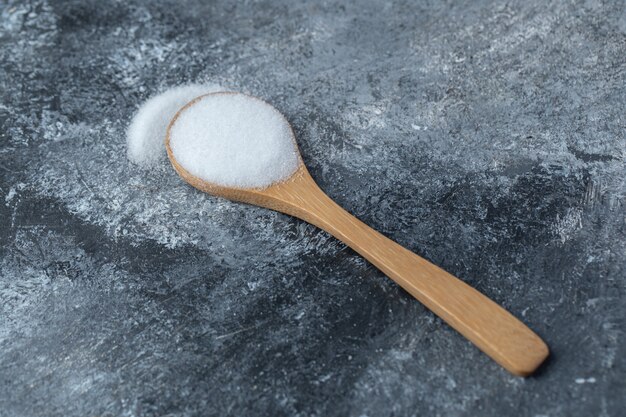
<point>487,137</point>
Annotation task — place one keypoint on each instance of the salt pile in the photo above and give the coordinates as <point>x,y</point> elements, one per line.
<point>234,140</point>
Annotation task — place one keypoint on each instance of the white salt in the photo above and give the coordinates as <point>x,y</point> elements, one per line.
<point>146,133</point>
<point>234,140</point>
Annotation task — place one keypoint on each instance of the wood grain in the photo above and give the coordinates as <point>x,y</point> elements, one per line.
<point>490,327</point>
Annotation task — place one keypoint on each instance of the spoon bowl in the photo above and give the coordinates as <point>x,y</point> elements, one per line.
<point>490,327</point>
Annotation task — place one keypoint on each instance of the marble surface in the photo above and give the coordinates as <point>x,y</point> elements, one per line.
<point>487,137</point>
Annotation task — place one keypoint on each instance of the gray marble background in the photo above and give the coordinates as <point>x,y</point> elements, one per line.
<point>487,137</point>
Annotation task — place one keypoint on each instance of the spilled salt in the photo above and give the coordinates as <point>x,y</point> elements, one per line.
<point>146,134</point>
<point>234,140</point>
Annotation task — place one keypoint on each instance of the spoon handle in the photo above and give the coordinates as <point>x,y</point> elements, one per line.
<point>490,327</point>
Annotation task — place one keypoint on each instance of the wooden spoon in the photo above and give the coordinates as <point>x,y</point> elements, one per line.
<point>494,330</point>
